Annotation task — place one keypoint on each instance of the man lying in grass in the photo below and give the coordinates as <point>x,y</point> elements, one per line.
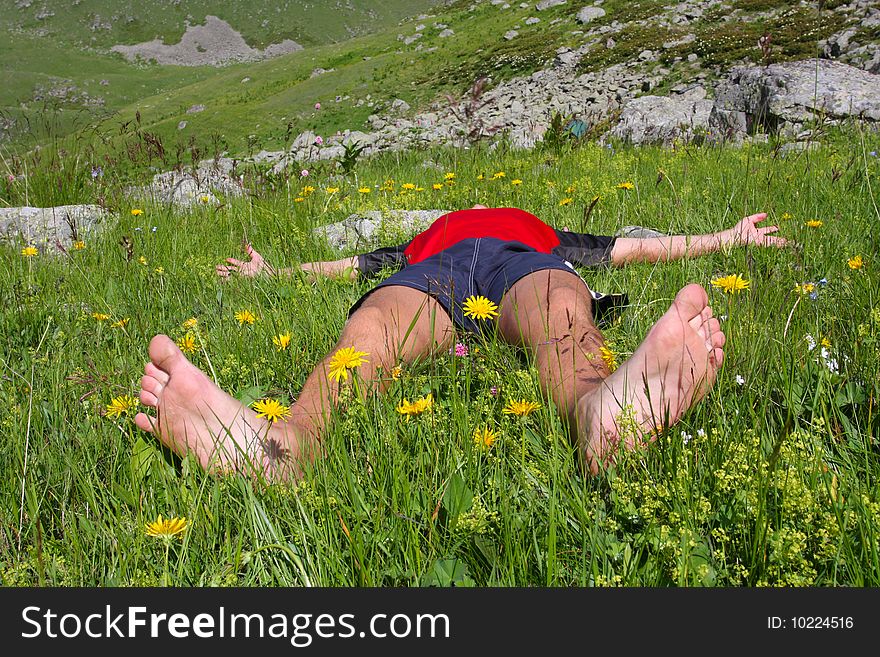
<point>469,269</point>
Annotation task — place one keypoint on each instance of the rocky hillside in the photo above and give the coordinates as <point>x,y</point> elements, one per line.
<point>485,68</point>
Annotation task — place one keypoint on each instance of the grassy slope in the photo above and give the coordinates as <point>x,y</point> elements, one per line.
<point>281,92</point>
<point>62,49</point>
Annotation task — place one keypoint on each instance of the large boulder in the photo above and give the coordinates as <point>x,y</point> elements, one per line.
<point>210,180</point>
<point>46,226</point>
<point>361,232</point>
<point>782,97</point>
<point>663,119</point>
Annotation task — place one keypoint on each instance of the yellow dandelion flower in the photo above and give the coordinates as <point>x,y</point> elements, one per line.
<point>167,527</point>
<point>136,211</point>
<point>159,270</point>
<point>479,307</point>
<point>609,357</point>
<point>450,175</point>
<point>190,324</point>
<point>480,177</point>
<point>271,409</point>
<point>626,185</point>
<point>498,174</point>
<point>731,284</point>
<point>437,186</point>
<point>825,342</point>
<point>120,406</point>
<point>187,343</point>
<point>364,190</point>
<point>855,262</point>
<point>245,317</point>
<point>484,438</point>
<point>396,372</point>
<point>142,260</point>
<point>120,323</point>
<point>570,189</point>
<point>101,317</point>
<point>346,359</point>
<point>813,223</point>
<point>805,288</point>
<point>204,198</point>
<point>298,199</point>
<point>308,189</point>
<point>516,182</point>
<point>416,407</point>
<point>29,251</point>
<point>520,407</point>
<point>786,216</point>
<point>79,245</point>
<point>407,186</point>
<point>565,201</point>
<point>331,190</point>
<point>282,341</point>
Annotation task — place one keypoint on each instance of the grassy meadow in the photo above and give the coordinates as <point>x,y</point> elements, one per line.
<point>772,480</point>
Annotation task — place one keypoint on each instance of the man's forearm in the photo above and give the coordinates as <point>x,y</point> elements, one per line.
<point>343,268</point>
<point>664,249</point>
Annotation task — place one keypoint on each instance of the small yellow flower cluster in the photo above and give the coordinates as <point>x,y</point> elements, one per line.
<point>245,317</point>
<point>343,360</point>
<point>416,407</point>
<point>120,406</point>
<point>731,284</point>
<point>484,438</point>
<point>479,307</point>
<point>167,527</point>
<point>271,409</point>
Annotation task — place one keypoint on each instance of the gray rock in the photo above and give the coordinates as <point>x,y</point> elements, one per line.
<point>653,119</point>
<point>184,189</point>
<point>547,4</point>
<point>638,232</point>
<point>195,109</point>
<point>511,34</point>
<point>44,226</point>
<point>784,96</point>
<point>181,125</point>
<point>359,232</point>
<point>589,14</point>
<point>799,146</point>
<point>399,106</point>
<point>532,20</point>
<point>446,33</point>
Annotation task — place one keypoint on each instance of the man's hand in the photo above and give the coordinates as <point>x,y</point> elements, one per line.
<point>254,266</point>
<point>747,232</point>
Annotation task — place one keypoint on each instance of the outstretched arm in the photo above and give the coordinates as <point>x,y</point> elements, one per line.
<point>256,265</point>
<point>675,247</point>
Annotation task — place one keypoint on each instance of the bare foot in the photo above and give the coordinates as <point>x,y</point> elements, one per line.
<point>670,371</point>
<point>195,416</point>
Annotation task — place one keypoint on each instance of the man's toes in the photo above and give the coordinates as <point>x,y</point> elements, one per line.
<point>149,399</point>
<point>717,356</point>
<point>160,375</point>
<point>151,385</point>
<point>144,421</point>
<point>164,353</point>
<point>691,300</point>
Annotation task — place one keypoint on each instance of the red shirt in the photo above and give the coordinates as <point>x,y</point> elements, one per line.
<point>508,224</point>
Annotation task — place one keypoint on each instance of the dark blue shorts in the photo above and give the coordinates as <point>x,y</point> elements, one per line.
<point>473,267</point>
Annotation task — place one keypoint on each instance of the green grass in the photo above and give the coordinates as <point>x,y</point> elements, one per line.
<point>774,481</point>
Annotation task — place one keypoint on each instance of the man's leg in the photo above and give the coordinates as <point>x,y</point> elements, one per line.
<point>394,324</point>
<point>195,416</point>
<point>549,313</point>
